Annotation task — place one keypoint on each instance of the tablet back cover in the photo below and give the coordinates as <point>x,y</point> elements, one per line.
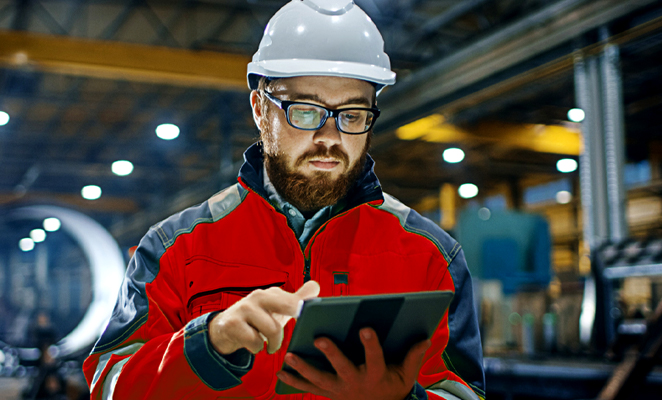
<point>400,321</point>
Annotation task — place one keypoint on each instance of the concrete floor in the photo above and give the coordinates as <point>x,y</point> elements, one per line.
<point>10,388</point>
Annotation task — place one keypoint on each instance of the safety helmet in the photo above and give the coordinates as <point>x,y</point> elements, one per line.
<point>321,37</point>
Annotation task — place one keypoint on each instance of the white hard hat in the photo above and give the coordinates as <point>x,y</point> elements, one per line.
<point>321,37</point>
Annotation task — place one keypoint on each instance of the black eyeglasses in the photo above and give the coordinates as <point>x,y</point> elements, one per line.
<point>310,117</point>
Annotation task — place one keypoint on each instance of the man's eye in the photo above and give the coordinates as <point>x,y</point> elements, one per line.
<point>353,116</point>
<point>305,116</point>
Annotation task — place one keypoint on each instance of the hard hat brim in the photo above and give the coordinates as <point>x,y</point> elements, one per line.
<point>300,67</point>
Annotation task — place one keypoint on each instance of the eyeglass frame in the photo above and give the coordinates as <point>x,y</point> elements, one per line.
<point>285,106</point>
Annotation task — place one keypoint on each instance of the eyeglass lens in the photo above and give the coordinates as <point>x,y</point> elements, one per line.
<point>306,116</point>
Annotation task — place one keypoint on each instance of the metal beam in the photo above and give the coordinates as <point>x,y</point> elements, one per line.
<point>425,90</point>
<point>439,21</point>
<point>124,61</point>
<point>104,204</point>
<point>555,139</point>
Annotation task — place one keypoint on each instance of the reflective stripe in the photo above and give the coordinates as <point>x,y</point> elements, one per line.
<point>455,389</point>
<point>444,394</point>
<point>103,360</point>
<point>114,374</point>
<point>224,202</point>
<point>393,206</point>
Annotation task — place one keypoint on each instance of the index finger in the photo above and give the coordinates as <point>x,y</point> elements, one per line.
<point>276,300</point>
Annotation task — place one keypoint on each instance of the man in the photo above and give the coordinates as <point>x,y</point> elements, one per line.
<point>209,286</point>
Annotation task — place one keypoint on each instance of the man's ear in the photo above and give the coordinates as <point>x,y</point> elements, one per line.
<point>256,105</point>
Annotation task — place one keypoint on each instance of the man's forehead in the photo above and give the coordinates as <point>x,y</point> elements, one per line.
<point>327,89</point>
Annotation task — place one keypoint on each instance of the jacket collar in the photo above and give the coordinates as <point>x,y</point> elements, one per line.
<point>366,188</point>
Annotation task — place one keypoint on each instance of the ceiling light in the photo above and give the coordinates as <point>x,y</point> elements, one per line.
<point>467,190</point>
<point>122,167</point>
<point>38,235</point>
<point>91,192</point>
<point>26,244</point>
<point>566,165</point>
<point>52,224</point>
<point>563,197</point>
<point>453,155</point>
<point>576,115</point>
<point>167,131</point>
<point>4,118</point>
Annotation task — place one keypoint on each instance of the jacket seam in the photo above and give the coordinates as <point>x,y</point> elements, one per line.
<point>431,238</point>
<point>123,337</point>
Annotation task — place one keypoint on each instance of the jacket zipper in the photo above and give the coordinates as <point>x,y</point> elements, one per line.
<point>307,258</point>
<point>306,270</point>
<point>306,266</point>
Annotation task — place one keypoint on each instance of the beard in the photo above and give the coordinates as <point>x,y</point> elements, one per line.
<point>310,193</point>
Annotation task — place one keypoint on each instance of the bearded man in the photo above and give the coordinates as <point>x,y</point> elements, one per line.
<point>205,308</point>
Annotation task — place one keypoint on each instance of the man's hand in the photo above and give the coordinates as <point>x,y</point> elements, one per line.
<point>372,380</point>
<point>257,318</point>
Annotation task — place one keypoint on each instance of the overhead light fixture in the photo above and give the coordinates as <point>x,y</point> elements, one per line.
<point>38,235</point>
<point>91,192</point>
<point>4,118</point>
<point>563,197</point>
<point>576,115</point>
<point>467,190</point>
<point>52,224</point>
<point>167,131</point>
<point>122,167</point>
<point>26,244</point>
<point>566,165</point>
<point>453,155</point>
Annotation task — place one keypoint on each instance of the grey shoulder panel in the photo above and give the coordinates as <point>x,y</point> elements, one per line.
<point>413,222</point>
<point>212,210</point>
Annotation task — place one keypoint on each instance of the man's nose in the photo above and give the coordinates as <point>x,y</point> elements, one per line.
<point>328,134</point>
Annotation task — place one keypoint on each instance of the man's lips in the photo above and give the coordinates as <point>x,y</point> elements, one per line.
<point>325,164</point>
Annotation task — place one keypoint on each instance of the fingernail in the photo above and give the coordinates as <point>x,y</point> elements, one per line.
<point>366,334</point>
<point>291,359</point>
<point>322,344</point>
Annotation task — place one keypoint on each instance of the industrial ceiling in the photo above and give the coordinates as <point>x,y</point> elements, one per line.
<point>87,82</point>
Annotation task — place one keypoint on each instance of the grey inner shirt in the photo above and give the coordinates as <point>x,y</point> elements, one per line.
<point>303,228</point>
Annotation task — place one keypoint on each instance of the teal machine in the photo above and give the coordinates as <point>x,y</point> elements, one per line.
<point>512,247</point>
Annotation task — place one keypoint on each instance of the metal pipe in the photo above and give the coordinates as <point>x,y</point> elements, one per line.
<point>592,171</point>
<point>583,101</point>
<point>614,126</point>
<point>598,170</point>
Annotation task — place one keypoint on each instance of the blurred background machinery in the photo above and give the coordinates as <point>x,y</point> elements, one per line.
<point>529,129</point>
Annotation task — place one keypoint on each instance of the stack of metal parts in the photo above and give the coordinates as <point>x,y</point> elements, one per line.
<point>630,321</point>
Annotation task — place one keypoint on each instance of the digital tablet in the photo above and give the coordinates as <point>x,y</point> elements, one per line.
<point>400,321</point>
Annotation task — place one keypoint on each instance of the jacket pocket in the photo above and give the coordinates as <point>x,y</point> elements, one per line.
<point>215,286</point>
<point>340,283</point>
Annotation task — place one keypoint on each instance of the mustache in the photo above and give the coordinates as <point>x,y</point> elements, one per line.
<point>331,152</point>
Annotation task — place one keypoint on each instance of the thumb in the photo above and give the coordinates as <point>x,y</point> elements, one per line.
<point>414,359</point>
<point>309,290</point>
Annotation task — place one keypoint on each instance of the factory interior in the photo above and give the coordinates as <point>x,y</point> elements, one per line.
<point>526,129</point>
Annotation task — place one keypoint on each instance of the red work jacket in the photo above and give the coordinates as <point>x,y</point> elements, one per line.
<point>207,257</point>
